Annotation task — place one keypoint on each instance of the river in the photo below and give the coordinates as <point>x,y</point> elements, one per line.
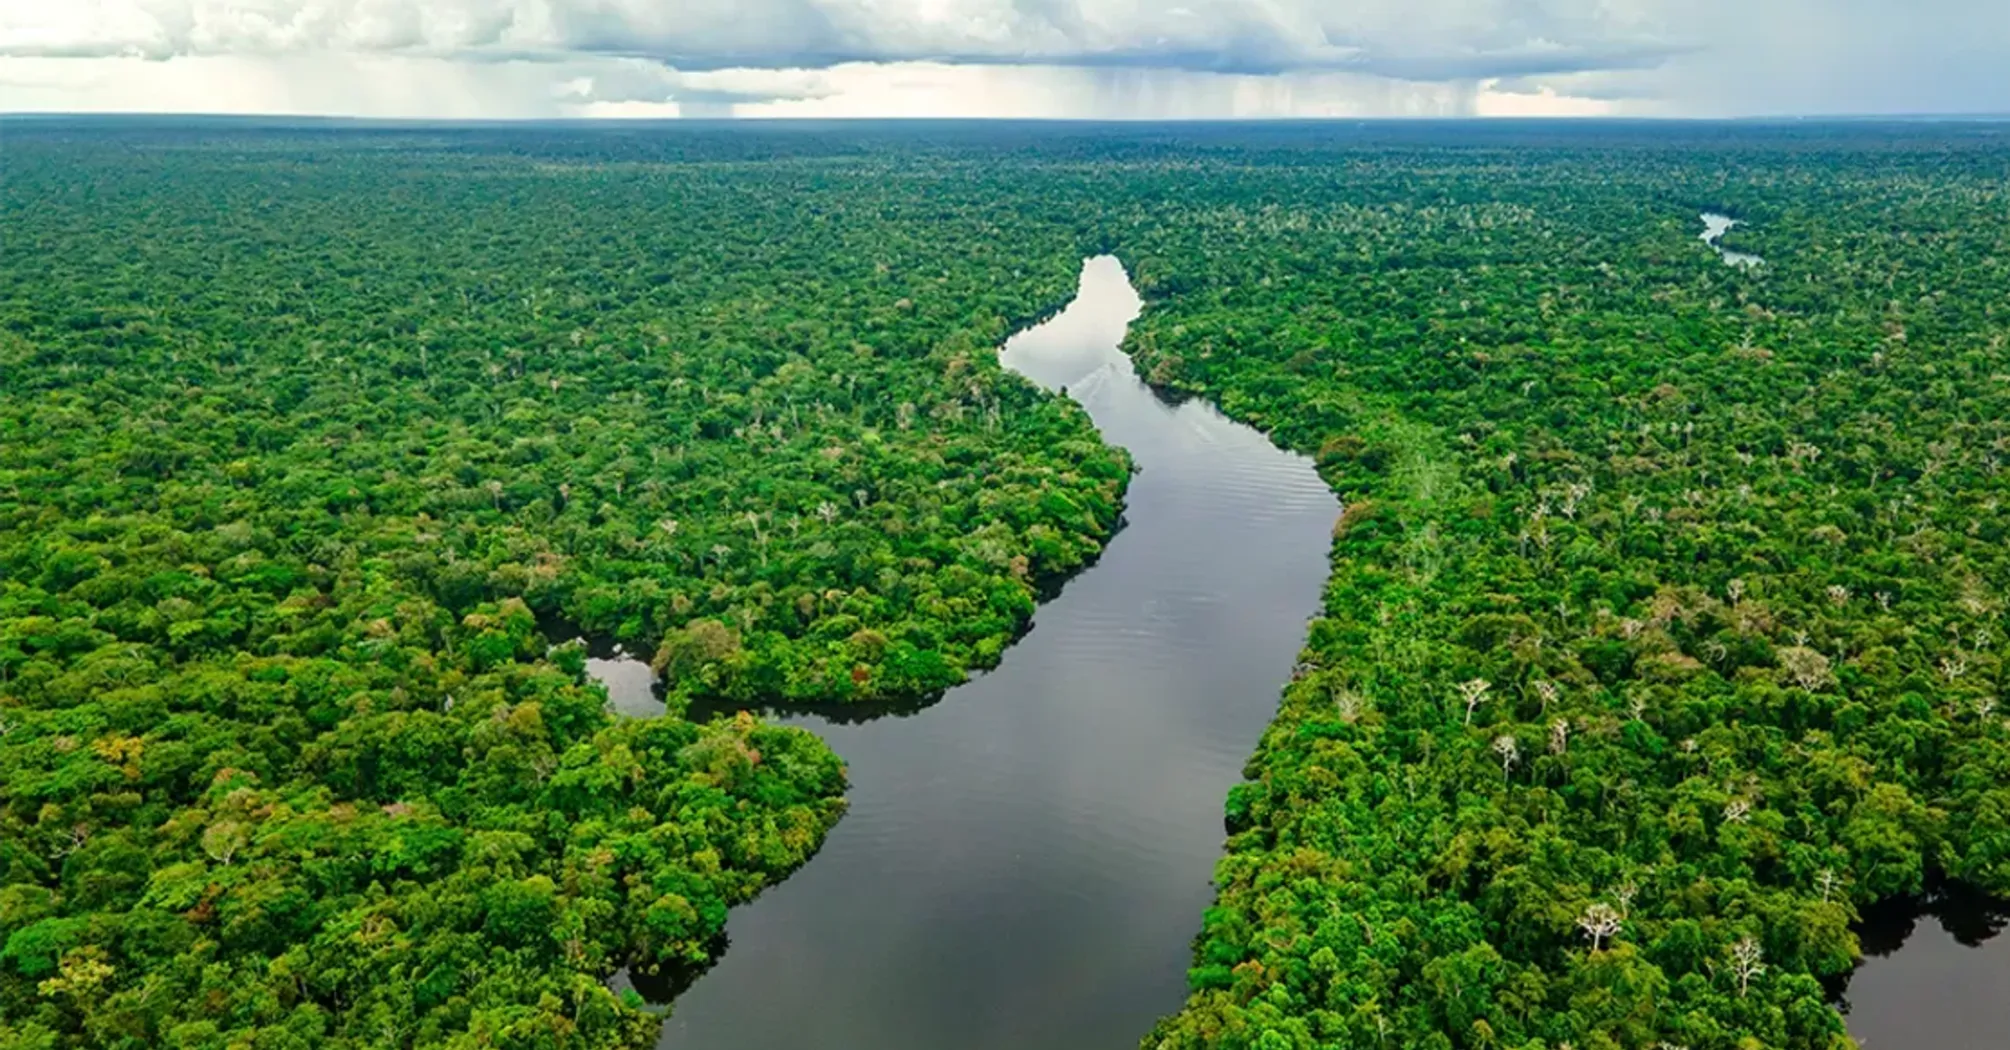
<point>1933,975</point>
<point>1714,228</point>
<point>1025,862</point>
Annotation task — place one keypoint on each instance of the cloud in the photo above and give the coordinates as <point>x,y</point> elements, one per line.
<point>1471,38</point>
<point>921,89</point>
<point>620,81</point>
<point>1678,57</point>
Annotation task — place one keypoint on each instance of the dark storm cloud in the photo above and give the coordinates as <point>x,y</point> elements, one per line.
<point>1416,40</point>
<point>1680,56</point>
<point>1249,61</point>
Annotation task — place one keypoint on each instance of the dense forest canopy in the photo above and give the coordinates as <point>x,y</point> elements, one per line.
<point>312,448</point>
<point>1664,632</point>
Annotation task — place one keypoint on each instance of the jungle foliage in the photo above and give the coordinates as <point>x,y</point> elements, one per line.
<point>313,447</point>
<point>1664,634</point>
<point>1666,624</point>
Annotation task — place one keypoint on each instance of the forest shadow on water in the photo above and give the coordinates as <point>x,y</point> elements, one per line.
<point>1025,858</point>
<point>1935,973</point>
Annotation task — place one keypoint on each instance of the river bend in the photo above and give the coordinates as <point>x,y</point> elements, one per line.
<point>1025,863</point>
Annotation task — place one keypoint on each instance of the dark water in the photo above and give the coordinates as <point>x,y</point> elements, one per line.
<point>1935,975</point>
<point>1024,863</point>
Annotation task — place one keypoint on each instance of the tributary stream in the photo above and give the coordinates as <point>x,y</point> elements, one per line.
<point>1024,863</point>
<point>1715,226</point>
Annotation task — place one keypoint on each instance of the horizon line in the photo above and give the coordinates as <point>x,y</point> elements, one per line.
<point>1982,116</point>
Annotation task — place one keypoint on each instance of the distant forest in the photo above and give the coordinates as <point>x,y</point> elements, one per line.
<point>1664,636</point>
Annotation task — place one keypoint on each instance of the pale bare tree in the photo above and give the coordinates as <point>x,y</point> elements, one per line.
<point>1508,750</point>
<point>1747,962</point>
<point>1574,495</point>
<point>1953,666</point>
<point>1474,693</point>
<point>1599,922</point>
<point>1810,669</point>
<point>1559,737</point>
<point>753,519</point>
<point>1737,811</point>
<point>1624,895</point>
<point>1826,881</point>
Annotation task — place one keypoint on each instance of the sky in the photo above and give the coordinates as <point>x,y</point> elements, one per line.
<point>1096,59</point>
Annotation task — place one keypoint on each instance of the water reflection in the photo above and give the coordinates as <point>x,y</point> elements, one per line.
<point>1934,974</point>
<point>633,689</point>
<point>1024,863</point>
<point>1714,228</point>
<point>660,988</point>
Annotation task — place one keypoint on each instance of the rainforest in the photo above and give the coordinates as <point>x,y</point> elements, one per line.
<point>1662,641</point>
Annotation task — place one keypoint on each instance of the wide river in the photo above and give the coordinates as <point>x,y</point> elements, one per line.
<point>1934,975</point>
<point>1025,863</point>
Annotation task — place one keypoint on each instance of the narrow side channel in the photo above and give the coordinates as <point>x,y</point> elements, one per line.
<point>1023,862</point>
<point>1715,226</point>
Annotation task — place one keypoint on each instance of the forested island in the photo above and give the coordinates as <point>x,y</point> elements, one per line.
<point>1663,636</point>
